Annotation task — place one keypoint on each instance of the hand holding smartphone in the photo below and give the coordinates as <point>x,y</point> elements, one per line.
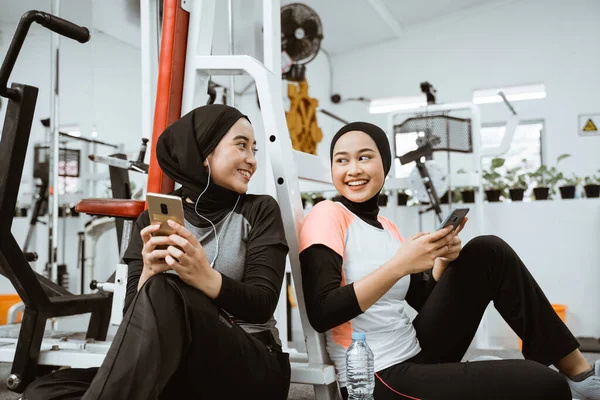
<point>161,208</point>
<point>455,218</point>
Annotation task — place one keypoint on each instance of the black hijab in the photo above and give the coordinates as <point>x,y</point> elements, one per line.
<point>368,210</point>
<point>182,148</point>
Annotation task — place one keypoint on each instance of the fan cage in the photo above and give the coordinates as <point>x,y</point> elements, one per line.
<point>300,51</point>
<point>443,132</point>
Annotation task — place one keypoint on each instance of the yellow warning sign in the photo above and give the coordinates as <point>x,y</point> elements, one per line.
<point>589,126</point>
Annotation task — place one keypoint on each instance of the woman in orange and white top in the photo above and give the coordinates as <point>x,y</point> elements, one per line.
<point>359,274</point>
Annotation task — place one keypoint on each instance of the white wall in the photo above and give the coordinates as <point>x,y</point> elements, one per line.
<point>526,41</point>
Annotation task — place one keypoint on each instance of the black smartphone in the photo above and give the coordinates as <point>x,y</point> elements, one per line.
<point>455,218</point>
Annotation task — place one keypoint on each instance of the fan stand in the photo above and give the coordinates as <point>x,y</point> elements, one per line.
<point>424,151</point>
<point>434,200</point>
<point>296,73</point>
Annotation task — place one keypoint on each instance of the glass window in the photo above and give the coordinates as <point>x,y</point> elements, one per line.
<point>526,145</point>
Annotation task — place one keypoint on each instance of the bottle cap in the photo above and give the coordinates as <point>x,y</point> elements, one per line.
<point>359,336</point>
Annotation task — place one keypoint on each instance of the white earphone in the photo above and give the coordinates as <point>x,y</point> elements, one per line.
<point>212,264</point>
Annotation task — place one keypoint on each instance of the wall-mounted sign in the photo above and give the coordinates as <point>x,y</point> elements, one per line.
<point>589,125</point>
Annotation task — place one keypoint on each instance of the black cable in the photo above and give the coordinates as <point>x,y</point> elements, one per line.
<point>330,65</point>
<point>336,98</point>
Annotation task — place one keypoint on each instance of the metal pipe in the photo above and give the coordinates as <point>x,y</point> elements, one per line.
<point>231,49</point>
<point>88,140</point>
<point>331,115</point>
<point>54,154</point>
<point>510,107</point>
<point>52,22</point>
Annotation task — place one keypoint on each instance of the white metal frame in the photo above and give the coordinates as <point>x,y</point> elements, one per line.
<point>149,55</point>
<point>313,367</point>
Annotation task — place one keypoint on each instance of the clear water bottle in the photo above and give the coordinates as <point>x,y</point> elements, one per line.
<point>360,369</point>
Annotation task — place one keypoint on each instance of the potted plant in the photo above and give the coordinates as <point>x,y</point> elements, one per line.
<point>592,185</point>
<point>456,196</point>
<point>517,182</point>
<point>546,179</point>
<point>567,190</point>
<point>306,199</point>
<point>311,199</point>
<point>494,184</point>
<point>467,193</point>
<point>402,197</point>
<point>382,200</point>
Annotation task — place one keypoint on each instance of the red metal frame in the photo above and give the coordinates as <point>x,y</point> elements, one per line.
<point>170,86</point>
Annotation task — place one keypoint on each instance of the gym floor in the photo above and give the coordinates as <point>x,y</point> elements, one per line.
<point>304,392</point>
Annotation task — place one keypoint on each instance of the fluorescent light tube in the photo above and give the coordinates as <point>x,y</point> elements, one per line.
<point>389,104</point>
<point>513,93</point>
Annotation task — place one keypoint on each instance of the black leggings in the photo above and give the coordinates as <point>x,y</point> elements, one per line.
<point>488,269</point>
<point>174,343</point>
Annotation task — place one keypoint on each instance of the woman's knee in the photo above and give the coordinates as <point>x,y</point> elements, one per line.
<point>488,255</point>
<point>488,248</point>
<point>164,289</point>
<point>157,285</point>
<point>486,243</point>
<point>159,291</point>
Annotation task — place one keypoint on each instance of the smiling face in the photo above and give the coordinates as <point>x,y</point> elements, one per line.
<point>357,168</point>
<point>233,161</point>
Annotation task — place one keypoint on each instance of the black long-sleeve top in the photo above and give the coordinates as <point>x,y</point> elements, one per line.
<point>252,253</point>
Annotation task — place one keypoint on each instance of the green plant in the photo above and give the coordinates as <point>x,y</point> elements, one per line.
<point>574,181</point>
<point>562,157</point>
<point>515,179</point>
<point>592,179</point>
<point>545,176</point>
<point>548,177</point>
<point>493,180</point>
<point>456,195</point>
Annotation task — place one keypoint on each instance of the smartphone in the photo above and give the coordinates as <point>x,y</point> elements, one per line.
<point>161,208</point>
<point>455,218</point>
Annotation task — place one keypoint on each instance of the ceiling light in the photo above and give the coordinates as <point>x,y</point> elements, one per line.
<point>513,93</point>
<point>390,104</point>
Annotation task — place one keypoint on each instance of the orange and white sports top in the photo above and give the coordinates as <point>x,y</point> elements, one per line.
<point>363,248</point>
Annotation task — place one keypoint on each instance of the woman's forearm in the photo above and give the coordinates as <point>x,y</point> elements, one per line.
<point>143,278</point>
<point>210,283</point>
<point>373,286</point>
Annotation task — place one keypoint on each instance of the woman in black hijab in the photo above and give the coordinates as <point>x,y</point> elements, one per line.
<point>205,329</point>
<point>358,275</point>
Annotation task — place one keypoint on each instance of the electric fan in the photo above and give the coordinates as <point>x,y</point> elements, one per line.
<point>301,35</point>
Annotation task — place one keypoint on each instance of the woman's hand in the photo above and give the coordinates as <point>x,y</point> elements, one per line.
<point>153,258</point>
<point>418,252</point>
<point>190,262</point>
<point>455,246</point>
